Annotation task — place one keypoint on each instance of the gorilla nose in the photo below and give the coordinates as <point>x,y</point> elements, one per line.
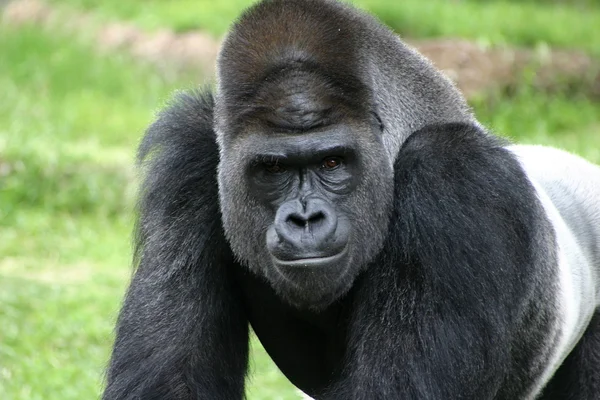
<point>306,221</point>
<point>303,225</point>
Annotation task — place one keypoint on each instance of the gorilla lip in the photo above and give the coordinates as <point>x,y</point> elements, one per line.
<point>311,262</point>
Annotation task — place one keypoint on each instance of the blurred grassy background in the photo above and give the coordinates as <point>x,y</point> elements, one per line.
<point>71,116</point>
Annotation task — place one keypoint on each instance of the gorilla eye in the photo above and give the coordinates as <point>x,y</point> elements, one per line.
<point>331,163</point>
<point>273,167</point>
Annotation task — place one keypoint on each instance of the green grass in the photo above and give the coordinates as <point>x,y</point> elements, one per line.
<point>494,21</point>
<point>70,119</point>
<point>181,15</point>
<point>527,116</point>
<point>558,24</point>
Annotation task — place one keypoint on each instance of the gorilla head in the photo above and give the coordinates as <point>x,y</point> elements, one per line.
<point>306,155</point>
<point>305,182</point>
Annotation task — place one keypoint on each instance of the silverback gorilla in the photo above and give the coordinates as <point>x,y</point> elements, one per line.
<point>338,196</point>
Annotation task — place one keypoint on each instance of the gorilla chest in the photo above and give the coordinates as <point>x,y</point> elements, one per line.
<point>308,347</point>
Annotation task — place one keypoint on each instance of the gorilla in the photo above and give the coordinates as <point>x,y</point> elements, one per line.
<point>337,195</point>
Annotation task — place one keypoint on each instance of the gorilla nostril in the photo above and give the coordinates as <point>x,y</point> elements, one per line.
<point>296,220</point>
<point>317,217</point>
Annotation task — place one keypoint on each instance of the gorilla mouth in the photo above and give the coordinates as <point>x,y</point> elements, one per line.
<point>312,282</point>
<point>312,262</point>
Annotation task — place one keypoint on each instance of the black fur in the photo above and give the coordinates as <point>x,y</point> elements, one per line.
<point>182,333</point>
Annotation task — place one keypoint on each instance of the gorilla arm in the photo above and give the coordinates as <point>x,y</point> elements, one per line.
<point>460,302</point>
<point>181,333</point>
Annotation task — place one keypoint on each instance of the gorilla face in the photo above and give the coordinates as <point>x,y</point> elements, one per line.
<point>307,210</point>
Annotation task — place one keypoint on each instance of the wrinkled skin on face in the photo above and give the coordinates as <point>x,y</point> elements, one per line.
<point>307,210</point>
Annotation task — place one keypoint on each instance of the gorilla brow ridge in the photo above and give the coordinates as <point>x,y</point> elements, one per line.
<point>346,96</point>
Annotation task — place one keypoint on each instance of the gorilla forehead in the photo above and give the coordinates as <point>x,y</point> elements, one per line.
<point>298,100</point>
